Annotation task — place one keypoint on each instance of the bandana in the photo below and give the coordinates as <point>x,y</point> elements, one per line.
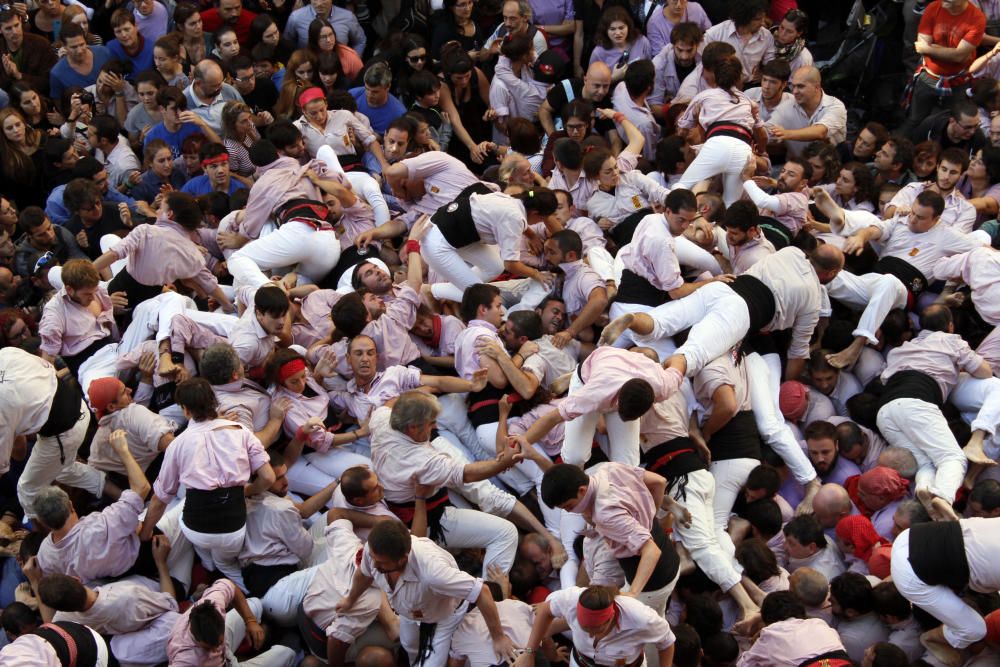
<point>101,392</point>
<point>592,618</point>
<point>311,95</point>
<point>859,531</point>
<point>221,157</point>
<point>883,481</point>
<point>793,400</point>
<point>993,626</point>
<point>289,369</point>
<point>880,563</point>
<point>435,338</point>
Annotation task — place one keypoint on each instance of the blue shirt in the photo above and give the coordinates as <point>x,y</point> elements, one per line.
<point>141,61</point>
<point>200,185</point>
<point>149,185</point>
<point>345,26</point>
<point>173,139</point>
<point>60,215</point>
<point>63,76</point>
<point>381,117</point>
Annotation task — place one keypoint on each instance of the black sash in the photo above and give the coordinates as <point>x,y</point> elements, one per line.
<point>135,291</point>
<point>759,299</point>
<point>727,129</point>
<point>623,232</point>
<point>311,212</point>
<point>673,458</point>
<point>163,396</point>
<point>436,505</point>
<point>260,578</point>
<point>738,439</point>
<point>666,568</point>
<point>584,661</point>
<point>455,219</point>
<point>65,411</point>
<point>484,405</point>
<point>775,232</point>
<point>216,512</point>
<point>838,658</point>
<point>914,280</point>
<point>937,554</point>
<point>74,644</point>
<point>912,384</point>
<point>633,288</point>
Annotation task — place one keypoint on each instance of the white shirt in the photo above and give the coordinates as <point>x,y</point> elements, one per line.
<point>830,112</point>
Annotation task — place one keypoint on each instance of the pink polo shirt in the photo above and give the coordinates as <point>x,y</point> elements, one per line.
<point>620,507</point>
<point>611,368</point>
<point>164,252</point>
<point>67,328</point>
<point>651,254</point>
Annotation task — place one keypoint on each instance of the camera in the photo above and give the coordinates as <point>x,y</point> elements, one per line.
<point>87,98</point>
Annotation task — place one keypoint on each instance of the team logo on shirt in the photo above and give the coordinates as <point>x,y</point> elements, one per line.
<point>435,189</point>
<point>913,253</point>
<point>636,202</point>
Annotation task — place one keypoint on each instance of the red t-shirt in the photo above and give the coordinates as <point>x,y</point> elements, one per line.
<point>948,30</point>
<point>211,22</point>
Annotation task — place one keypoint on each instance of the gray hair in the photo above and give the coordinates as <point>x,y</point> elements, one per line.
<point>378,76</point>
<point>901,460</point>
<point>414,408</point>
<point>915,511</point>
<point>219,362</point>
<point>52,507</point>
<point>523,8</point>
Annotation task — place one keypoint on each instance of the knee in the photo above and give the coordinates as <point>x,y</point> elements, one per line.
<point>375,656</point>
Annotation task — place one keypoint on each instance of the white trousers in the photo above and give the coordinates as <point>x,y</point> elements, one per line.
<point>219,551</point>
<point>295,244</point>
<point>706,540</point>
<point>873,294</point>
<point>920,427</point>
<point>366,188</point>
<point>314,471</point>
<point>664,347</point>
<point>730,476</point>
<point>719,155</point>
<point>773,428</point>
<point>717,316</point>
<point>963,625</point>
<point>450,262</point>
<point>489,497</point>
<point>53,459</point>
<point>469,529</point>
<point>409,638</point>
<point>989,349</point>
<point>236,632</point>
<point>623,437</point>
<point>282,600</point>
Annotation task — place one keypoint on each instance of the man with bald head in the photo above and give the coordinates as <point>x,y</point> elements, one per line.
<point>815,116</point>
<point>208,93</point>
<point>831,504</point>
<point>594,87</point>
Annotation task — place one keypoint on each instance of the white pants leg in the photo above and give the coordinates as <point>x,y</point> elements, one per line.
<point>657,599</point>
<point>571,525</point>
<point>294,243</point>
<point>446,261</point>
<point>335,461</point>
<point>717,316</point>
<point>664,347</point>
<point>282,600</point>
<point>963,625</point>
<point>409,638</point>
<point>454,417</point>
<point>730,476</point>
<point>523,477</point>
<point>489,497</point>
<point>219,551</point>
<point>180,560</point>
<point>471,529</point>
<point>53,459</point>
<point>153,316</point>
<point>327,155</point>
<point>236,631</point>
<point>773,428</point>
<point>102,363</point>
<point>702,539</point>
<point>719,155</point>
<point>147,646</point>
<point>367,188</point>
<point>980,398</point>
<point>579,432</point>
<point>919,426</point>
<point>623,439</point>
<point>601,261</point>
<point>873,294</point>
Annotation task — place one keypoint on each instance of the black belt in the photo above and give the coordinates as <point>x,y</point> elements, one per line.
<point>666,567</point>
<point>633,288</point>
<point>74,362</point>
<point>308,211</point>
<point>484,406</point>
<point>73,643</point>
<point>759,299</point>
<point>912,278</point>
<point>912,384</point>
<point>455,221</point>
<point>436,505</point>
<point>738,439</point>
<point>65,410</point>
<point>216,511</point>
<point>726,129</point>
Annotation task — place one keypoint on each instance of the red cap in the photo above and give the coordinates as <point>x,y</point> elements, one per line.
<point>793,399</point>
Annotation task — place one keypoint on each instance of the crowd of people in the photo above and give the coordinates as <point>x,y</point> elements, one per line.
<point>482,332</point>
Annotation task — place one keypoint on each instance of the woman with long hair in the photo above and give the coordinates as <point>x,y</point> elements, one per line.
<point>300,74</point>
<point>455,23</point>
<point>323,38</point>
<point>733,131</point>
<point>168,59</point>
<point>854,188</point>
<point>618,42</point>
<point>465,97</point>
<point>264,30</point>
<point>331,74</point>
<point>196,42</point>
<point>825,163</point>
<point>20,160</point>
<point>238,135</point>
<point>158,173</point>
<point>76,14</point>
<point>38,111</point>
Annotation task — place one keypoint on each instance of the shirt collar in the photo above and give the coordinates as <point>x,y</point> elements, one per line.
<point>586,504</point>
<point>482,323</point>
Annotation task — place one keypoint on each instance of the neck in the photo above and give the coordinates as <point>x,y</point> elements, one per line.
<point>91,599</point>
<point>68,526</point>
<point>15,45</point>
<point>223,187</point>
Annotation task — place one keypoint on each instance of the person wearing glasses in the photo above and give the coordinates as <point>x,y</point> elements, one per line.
<point>958,127</point>
<point>208,94</point>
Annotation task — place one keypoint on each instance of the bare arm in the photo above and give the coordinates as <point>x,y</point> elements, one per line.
<point>317,501</point>
<point>724,408</point>
<point>265,478</point>
<point>958,54</point>
<point>984,371</point>
<point>546,116</point>
<point>591,312</point>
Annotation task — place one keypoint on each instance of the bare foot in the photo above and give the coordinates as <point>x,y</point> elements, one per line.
<point>971,475</point>
<point>938,646</point>
<point>974,450</point>
<point>616,328</point>
<point>828,207</point>
<point>846,357</point>
<point>939,509</point>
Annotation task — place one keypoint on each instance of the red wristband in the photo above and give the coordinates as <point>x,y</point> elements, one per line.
<point>300,433</point>
<point>413,246</point>
<point>618,117</point>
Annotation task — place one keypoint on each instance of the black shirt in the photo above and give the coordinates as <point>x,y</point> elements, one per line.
<point>935,128</point>
<point>110,223</point>
<point>556,98</point>
<point>263,97</point>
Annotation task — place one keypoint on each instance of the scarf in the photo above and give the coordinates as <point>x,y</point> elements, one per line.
<point>788,52</point>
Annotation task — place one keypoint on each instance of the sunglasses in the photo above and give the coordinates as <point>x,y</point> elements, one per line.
<point>416,59</point>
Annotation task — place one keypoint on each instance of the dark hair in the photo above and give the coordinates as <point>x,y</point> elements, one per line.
<point>568,153</point>
<point>955,155</point>
<point>516,47</point>
<point>687,645</point>
<point>687,32</point>
<point>207,625</point>
<point>187,212</point>
<point>263,152</point>
<point>561,482</point>
<point>962,106</point>
<point>986,492</point>
<point>328,62</point>
<point>820,430</point>
<point>764,515</point>
<point>904,150</point>
<point>106,126</point>
<point>480,294</point>
<point>848,435</point>
<point>31,217</point>
<point>798,18</point>
<point>852,591</point>
<point>743,13</point>
<point>211,150</point>
<point>271,300</point>
<point>807,168</point>
<point>283,133</point>
<point>569,241</point>
<point>62,592</point>
<point>423,83</point>
<point>936,317</point>
<point>315,27</point>
<point>67,32</point>
<point>704,614</point>
<point>80,192</point>
<point>885,654</point>
<point>728,73</point>
<point>742,215</point>
<point>390,539</point>
<point>611,15</point>
<point>780,606</point>
<point>714,52</point>
<point>776,69</point>
<point>182,12</point>
<point>991,160</point>
<point>758,561</point>
<point>150,76</point>
<point>635,398</point>
<point>594,160</point>
<point>259,26</point>
<point>578,108</point>
<point>197,396</point>
<point>171,95</point>
<point>526,323</point>
<point>721,649</point>
<point>280,357</point>
<point>932,199</point>
<point>828,155</point>
<point>806,529</point>
<point>218,34</point>
<point>639,77</point>
<point>522,133</point>
<point>764,477</point>
<point>350,315</point>
<point>18,618</point>
<point>352,479</point>
<point>888,601</point>
<point>239,61</point>
<point>864,181</point>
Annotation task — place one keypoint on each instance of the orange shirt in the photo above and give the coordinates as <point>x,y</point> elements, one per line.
<point>948,30</point>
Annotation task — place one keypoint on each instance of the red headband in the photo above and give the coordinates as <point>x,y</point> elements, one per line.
<point>311,95</point>
<point>593,618</point>
<point>221,157</point>
<point>290,368</point>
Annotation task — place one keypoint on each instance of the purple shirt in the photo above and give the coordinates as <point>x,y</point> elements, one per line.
<point>659,27</point>
<point>580,281</point>
<point>274,532</point>
<point>386,385</point>
<point>620,507</point>
<point>640,49</point>
<point>467,359</point>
